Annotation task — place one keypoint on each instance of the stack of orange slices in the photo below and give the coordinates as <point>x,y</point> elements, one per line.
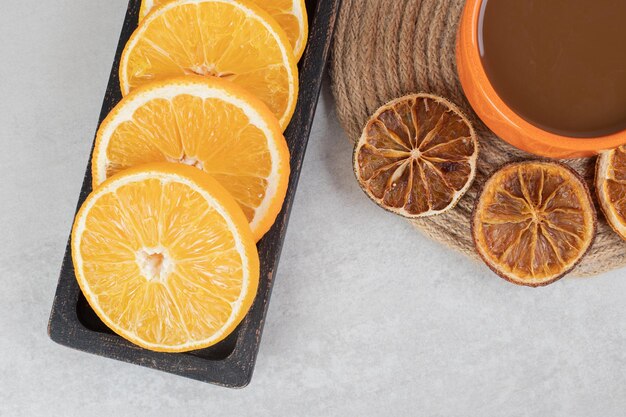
<point>190,169</point>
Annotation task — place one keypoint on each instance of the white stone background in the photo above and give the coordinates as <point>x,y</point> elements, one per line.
<point>368,317</point>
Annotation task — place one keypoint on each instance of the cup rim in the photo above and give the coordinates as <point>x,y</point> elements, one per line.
<point>522,127</point>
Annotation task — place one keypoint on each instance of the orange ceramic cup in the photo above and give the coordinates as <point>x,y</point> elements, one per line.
<point>499,117</point>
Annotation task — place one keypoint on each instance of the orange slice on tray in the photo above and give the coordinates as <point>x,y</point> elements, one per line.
<point>230,39</point>
<point>165,257</point>
<point>416,156</point>
<point>210,124</point>
<point>611,188</point>
<point>291,15</point>
<point>534,222</point>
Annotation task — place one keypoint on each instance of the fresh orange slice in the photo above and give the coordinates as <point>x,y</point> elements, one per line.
<point>291,15</point>
<point>416,156</point>
<point>611,188</point>
<point>230,39</point>
<point>165,257</point>
<point>534,222</point>
<point>208,123</point>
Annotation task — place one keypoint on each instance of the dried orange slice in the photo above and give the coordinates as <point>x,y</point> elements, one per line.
<point>291,15</point>
<point>416,156</point>
<point>165,257</point>
<point>208,123</point>
<point>231,39</point>
<point>533,222</point>
<point>611,188</point>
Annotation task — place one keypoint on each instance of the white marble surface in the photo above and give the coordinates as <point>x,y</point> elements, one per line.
<point>368,317</point>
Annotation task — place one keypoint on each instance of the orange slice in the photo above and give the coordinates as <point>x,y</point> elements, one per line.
<point>208,123</point>
<point>611,188</point>
<point>230,39</point>
<point>165,257</point>
<point>533,222</point>
<point>416,156</point>
<point>291,15</point>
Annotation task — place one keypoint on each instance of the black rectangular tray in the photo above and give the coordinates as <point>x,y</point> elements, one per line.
<point>230,363</point>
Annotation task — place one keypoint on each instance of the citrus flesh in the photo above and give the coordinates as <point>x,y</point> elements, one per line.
<point>165,257</point>
<point>533,222</point>
<point>611,187</point>
<point>416,156</point>
<point>208,123</point>
<point>229,39</point>
<point>291,15</point>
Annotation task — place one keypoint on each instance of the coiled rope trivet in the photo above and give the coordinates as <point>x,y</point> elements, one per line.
<point>384,49</point>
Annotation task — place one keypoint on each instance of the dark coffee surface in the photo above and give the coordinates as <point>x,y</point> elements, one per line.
<point>559,64</point>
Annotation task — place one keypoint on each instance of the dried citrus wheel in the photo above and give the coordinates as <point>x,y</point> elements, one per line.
<point>230,39</point>
<point>291,15</point>
<point>611,187</point>
<point>416,156</point>
<point>165,257</point>
<point>533,222</point>
<point>208,123</point>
